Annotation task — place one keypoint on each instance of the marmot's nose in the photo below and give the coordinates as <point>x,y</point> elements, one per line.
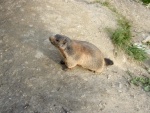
<point>50,39</point>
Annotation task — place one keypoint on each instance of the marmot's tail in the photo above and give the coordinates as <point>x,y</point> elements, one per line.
<point>108,61</point>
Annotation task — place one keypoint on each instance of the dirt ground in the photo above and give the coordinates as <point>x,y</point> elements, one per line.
<point>31,78</point>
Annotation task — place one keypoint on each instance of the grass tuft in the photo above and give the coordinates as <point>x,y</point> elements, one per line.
<point>136,53</point>
<point>143,81</point>
<point>107,4</point>
<point>122,36</point>
<point>124,23</point>
<point>146,1</point>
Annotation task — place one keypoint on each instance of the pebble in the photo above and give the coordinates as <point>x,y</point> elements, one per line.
<point>147,39</point>
<point>39,54</point>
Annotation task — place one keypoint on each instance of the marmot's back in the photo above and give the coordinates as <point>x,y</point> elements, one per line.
<point>90,56</point>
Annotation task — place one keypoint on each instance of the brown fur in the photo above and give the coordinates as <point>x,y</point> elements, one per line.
<point>80,53</point>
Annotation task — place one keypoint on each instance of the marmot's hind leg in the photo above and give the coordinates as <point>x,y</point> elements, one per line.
<point>99,70</point>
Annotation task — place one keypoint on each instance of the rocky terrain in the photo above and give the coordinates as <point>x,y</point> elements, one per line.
<point>31,78</point>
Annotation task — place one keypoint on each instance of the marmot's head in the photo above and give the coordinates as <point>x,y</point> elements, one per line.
<point>60,41</point>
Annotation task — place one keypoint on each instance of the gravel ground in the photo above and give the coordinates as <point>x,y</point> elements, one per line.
<point>31,78</point>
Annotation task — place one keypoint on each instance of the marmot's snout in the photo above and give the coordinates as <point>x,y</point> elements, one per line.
<point>52,40</point>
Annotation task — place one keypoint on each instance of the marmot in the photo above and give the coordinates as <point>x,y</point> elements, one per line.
<point>80,53</point>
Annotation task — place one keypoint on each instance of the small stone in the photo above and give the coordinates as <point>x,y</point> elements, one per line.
<point>148,70</point>
<point>22,10</point>
<point>148,6</point>
<point>108,76</point>
<point>146,40</point>
<point>39,54</point>
<point>30,25</point>
<point>38,69</point>
<point>26,62</point>
<point>120,85</point>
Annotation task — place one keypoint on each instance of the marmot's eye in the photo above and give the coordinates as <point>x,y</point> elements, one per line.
<point>57,40</point>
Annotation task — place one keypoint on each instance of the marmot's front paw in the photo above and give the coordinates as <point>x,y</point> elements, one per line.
<point>66,69</point>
